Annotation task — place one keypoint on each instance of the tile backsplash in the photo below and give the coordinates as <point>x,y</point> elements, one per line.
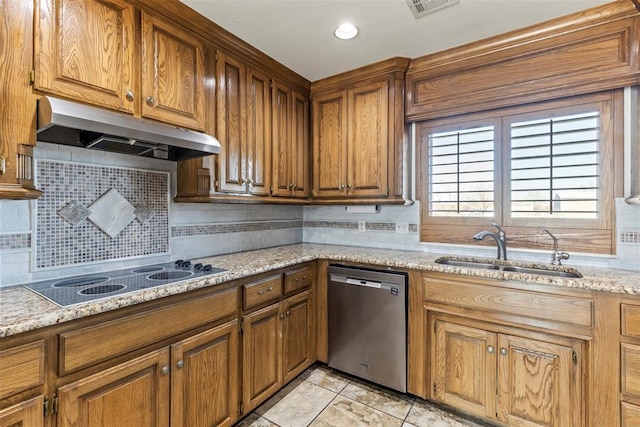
<point>38,243</point>
<point>60,243</point>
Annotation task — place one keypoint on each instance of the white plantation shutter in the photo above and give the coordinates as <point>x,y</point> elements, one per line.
<point>555,167</point>
<point>461,172</point>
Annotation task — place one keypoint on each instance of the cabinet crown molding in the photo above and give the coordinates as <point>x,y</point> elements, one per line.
<point>393,65</point>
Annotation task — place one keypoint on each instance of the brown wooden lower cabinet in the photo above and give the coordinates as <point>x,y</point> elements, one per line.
<point>278,344</point>
<point>194,381</point>
<point>132,393</point>
<point>27,413</point>
<point>516,380</point>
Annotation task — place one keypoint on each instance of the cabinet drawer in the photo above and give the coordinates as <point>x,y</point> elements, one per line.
<point>265,290</point>
<point>21,368</point>
<point>630,415</point>
<point>87,346</point>
<point>558,308</point>
<point>298,279</point>
<point>630,369</point>
<point>630,315</point>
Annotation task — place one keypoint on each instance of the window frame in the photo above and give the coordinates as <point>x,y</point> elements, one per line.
<point>581,235</point>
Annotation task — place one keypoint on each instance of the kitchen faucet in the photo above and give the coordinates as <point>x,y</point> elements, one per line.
<point>500,238</point>
<point>557,256</point>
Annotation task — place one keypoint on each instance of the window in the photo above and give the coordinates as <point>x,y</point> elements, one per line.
<point>548,165</point>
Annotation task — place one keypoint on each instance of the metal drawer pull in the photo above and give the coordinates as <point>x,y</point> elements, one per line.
<point>165,370</point>
<point>490,349</point>
<point>180,364</point>
<point>503,351</point>
<point>270,289</point>
<point>261,291</point>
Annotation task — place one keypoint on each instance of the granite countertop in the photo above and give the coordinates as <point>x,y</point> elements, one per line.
<point>22,310</point>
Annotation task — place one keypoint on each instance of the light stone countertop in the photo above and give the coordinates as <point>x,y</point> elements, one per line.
<point>21,310</point>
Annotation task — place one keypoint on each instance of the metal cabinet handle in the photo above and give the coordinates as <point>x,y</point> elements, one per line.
<point>490,349</point>
<point>261,291</point>
<point>270,288</point>
<point>180,364</point>
<point>129,95</point>
<point>342,186</point>
<point>281,316</point>
<point>288,312</point>
<point>165,370</point>
<point>150,101</point>
<point>503,351</point>
<point>349,186</point>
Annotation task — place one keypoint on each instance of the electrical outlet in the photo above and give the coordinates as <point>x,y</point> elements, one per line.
<point>362,226</point>
<point>402,227</point>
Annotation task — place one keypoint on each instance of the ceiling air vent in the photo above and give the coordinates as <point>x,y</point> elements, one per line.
<point>420,8</point>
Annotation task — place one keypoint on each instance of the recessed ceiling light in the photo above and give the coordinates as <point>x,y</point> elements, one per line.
<point>346,31</point>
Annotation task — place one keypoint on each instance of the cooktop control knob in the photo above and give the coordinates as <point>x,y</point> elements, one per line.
<point>186,265</point>
<point>178,263</point>
<point>198,267</point>
<point>207,267</point>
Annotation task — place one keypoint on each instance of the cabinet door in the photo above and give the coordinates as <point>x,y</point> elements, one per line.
<point>204,378</point>
<point>258,133</point>
<point>18,114</point>
<point>538,383</point>
<point>172,74</point>
<point>231,123</point>
<point>262,355</point>
<point>464,367</point>
<point>134,393</point>
<point>298,335</point>
<point>27,413</point>
<point>299,151</point>
<point>282,154</point>
<point>330,144</point>
<point>85,50</point>
<point>368,140</point>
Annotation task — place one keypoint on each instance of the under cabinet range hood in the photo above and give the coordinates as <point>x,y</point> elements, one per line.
<point>79,125</point>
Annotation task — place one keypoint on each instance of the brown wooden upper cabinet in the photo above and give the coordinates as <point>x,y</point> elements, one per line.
<point>18,112</point>
<point>86,50</point>
<point>243,127</point>
<point>290,142</point>
<point>358,128</point>
<point>172,74</point>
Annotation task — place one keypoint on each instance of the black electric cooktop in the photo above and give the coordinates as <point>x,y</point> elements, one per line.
<point>79,289</point>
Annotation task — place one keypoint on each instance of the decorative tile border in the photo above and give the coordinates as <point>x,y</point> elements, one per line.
<point>630,237</point>
<point>231,227</point>
<point>15,241</point>
<point>351,225</point>
<point>58,243</point>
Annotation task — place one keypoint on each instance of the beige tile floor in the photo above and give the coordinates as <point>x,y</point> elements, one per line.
<point>326,398</point>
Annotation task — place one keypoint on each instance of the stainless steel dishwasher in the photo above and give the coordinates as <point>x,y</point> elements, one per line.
<point>368,324</point>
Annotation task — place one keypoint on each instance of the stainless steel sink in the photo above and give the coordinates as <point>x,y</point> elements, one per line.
<point>569,272</point>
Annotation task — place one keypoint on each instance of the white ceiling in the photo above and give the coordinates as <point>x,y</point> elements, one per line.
<point>299,33</point>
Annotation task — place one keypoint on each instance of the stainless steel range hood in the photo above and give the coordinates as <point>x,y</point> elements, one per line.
<point>78,125</point>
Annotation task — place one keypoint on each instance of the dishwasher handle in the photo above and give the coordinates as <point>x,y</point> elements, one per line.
<point>359,282</point>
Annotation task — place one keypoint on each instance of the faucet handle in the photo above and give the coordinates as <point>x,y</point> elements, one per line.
<point>558,257</point>
<point>498,226</point>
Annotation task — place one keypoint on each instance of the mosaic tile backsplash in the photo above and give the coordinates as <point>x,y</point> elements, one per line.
<point>59,243</point>
<point>232,227</point>
<point>15,241</point>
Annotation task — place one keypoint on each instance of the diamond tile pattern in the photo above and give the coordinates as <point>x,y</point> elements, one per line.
<point>57,243</point>
<point>74,212</point>
<point>111,213</point>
